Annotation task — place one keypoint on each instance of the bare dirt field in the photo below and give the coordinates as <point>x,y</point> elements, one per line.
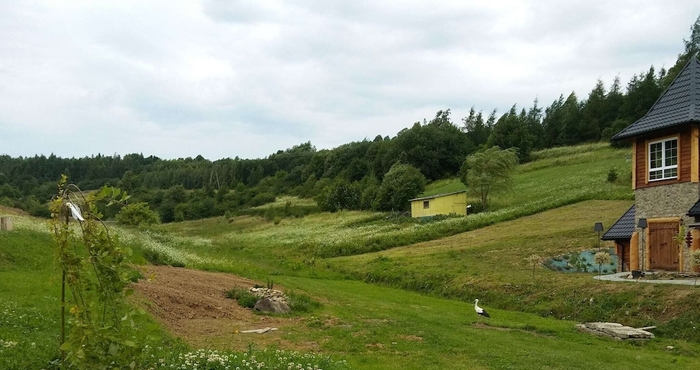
<point>193,306</point>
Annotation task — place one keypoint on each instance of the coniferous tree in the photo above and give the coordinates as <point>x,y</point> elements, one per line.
<point>534,125</point>
<point>692,47</point>
<point>571,121</point>
<point>552,123</point>
<point>511,131</point>
<point>593,114</point>
<point>642,93</point>
<point>475,127</point>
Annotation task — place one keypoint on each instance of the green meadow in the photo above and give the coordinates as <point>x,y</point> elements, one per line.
<point>397,293</point>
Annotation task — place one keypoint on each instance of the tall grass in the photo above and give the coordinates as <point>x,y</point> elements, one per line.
<point>29,299</point>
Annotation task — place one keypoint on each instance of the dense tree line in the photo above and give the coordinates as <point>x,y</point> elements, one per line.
<point>351,176</point>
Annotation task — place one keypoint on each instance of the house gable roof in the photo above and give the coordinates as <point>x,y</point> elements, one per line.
<point>437,195</point>
<point>623,227</point>
<point>678,105</point>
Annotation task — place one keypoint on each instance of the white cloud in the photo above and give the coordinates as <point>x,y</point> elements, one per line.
<point>246,78</point>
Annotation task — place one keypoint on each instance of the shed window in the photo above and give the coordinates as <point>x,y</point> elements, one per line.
<point>426,204</point>
<point>663,159</point>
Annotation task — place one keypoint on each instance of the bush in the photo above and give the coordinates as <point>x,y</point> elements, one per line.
<point>243,297</point>
<point>476,207</point>
<point>612,176</point>
<point>137,214</point>
<point>270,213</point>
<point>40,210</point>
<point>401,183</point>
<point>262,198</point>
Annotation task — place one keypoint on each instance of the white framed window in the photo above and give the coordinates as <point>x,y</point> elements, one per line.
<point>663,159</point>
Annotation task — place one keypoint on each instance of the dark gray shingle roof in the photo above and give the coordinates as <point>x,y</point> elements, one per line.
<point>622,228</point>
<point>678,105</point>
<point>695,209</point>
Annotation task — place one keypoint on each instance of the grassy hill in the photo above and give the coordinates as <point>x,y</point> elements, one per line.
<point>557,178</point>
<point>397,293</point>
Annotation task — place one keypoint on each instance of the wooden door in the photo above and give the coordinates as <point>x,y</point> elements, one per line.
<point>663,253</point>
<point>623,254</point>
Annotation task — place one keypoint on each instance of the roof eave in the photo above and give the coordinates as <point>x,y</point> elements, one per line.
<point>622,136</point>
<point>437,195</point>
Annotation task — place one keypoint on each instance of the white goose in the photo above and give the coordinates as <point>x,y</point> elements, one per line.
<point>480,311</point>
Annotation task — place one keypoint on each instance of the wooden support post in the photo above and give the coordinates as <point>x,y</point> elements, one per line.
<point>634,251</point>
<point>6,223</point>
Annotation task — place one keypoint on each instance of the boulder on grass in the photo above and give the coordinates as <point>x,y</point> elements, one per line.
<point>268,305</point>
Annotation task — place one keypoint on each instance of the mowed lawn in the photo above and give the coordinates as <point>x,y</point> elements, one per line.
<point>375,327</point>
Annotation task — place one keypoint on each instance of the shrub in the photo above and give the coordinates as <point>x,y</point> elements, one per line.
<point>262,198</point>
<point>612,176</point>
<point>401,183</point>
<point>137,214</point>
<point>243,297</point>
<point>40,210</point>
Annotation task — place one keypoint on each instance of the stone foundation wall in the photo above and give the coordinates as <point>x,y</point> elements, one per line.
<point>667,201</point>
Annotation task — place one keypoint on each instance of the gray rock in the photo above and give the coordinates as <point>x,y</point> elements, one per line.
<point>619,331</point>
<point>268,305</point>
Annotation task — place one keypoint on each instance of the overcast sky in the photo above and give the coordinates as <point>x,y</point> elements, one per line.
<point>232,78</point>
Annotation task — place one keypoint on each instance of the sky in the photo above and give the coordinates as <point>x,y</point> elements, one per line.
<point>239,78</point>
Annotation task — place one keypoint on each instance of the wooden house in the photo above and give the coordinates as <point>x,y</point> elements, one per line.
<point>440,204</point>
<point>665,168</point>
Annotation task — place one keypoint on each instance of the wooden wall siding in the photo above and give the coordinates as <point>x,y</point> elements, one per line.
<point>640,158</point>
<point>695,154</point>
<point>641,161</point>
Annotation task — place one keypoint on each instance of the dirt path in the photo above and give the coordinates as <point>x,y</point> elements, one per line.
<point>192,305</point>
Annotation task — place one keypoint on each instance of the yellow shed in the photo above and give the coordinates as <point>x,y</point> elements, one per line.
<point>440,204</point>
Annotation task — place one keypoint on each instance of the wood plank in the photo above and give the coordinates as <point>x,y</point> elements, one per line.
<point>663,253</point>
<point>694,157</point>
<point>634,165</point>
<point>684,154</point>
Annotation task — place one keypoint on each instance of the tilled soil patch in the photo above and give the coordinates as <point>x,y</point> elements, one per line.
<point>193,306</point>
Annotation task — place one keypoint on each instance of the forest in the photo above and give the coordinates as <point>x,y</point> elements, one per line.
<point>356,175</point>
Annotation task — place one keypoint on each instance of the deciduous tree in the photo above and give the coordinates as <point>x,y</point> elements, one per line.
<point>489,170</point>
<point>401,183</point>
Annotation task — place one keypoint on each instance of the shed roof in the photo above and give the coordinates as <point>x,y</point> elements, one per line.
<point>623,227</point>
<point>678,105</point>
<point>438,195</point>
